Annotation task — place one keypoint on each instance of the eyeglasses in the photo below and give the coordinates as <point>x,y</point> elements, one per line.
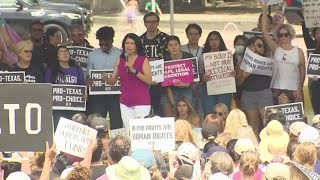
<point>27,51</point>
<point>219,113</point>
<point>283,35</point>
<point>39,30</point>
<point>151,22</point>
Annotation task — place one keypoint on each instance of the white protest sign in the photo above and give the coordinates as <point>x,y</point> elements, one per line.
<point>219,66</point>
<point>116,132</point>
<point>73,138</point>
<point>271,2</point>
<point>256,64</point>
<point>157,70</point>
<point>152,133</point>
<point>311,13</point>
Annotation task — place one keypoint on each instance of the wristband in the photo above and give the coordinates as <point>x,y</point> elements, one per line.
<point>135,72</point>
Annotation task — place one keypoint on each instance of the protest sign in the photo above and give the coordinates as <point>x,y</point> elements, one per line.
<point>195,68</point>
<point>251,34</point>
<point>73,138</point>
<point>310,174</point>
<point>255,64</point>
<point>173,162</point>
<point>293,112</point>
<point>26,116</point>
<point>152,133</point>
<point>99,86</point>
<point>69,97</point>
<point>311,13</point>
<point>157,70</point>
<point>177,72</point>
<point>313,65</point>
<point>310,51</point>
<point>219,66</point>
<point>12,77</point>
<point>80,55</point>
<point>116,132</point>
<point>271,2</point>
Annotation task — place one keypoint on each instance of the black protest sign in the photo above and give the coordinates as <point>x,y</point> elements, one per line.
<point>26,117</point>
<point>69,97</point>
<point>293,112</point>
<point>195,68</point>
<point>12,77</point>
<point>99,86</point>
<point>251,34</point>
<point>310,51</point>
<point>80,55</point>
<point>313,65</point>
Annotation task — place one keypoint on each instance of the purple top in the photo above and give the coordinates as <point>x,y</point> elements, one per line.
<point>134,92</point>
<point>72,76</point>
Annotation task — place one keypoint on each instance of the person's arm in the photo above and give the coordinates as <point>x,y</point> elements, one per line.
<point>170,96</point>
<point>145,75</point>
<point>86,162</point>
<point>147,7</point>
<point>266,36</point>
<point>5,36</point>
<point>310,44</point>
<point>48,162</point>
<point>302,72</point>
<point>158,9</point>
<point>114,78</point>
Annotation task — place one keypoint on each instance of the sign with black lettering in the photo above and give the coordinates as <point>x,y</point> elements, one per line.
<point>311,10</point>
<point>152,133</point>
<point>80,55</point>
<point>99,86</point>
<point>12,77</point>
<point>69,97</point>
<point>313,65</point>
<point>293,112</point>
<point>73,138</point>
<point>310,51</point>
<point>118,132</point>
<point>251,34</point>
<point>26,117</point>
<point>157,70</point>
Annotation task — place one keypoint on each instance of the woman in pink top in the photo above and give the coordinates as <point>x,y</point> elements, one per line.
<point>133,68</point>
<point>248,169</point>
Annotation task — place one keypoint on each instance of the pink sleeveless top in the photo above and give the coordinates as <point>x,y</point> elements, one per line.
<point>134,92</point>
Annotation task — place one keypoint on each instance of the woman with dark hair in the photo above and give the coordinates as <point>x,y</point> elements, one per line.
<point>64,71</point>
<point>133,68</point>
<point>214,43</point>
<point>256,92</point>
<point>52,39</point>
<point>185,111</point>
<point>173,93</point>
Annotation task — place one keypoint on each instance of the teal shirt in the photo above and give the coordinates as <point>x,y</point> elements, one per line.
<point>98,60</point>
<point>148,6</point>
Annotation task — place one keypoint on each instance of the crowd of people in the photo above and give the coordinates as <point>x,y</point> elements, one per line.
<point>239,140</point>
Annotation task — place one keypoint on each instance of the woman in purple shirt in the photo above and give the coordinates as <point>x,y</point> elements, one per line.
<point>64,71</point>
<point>133,68</point>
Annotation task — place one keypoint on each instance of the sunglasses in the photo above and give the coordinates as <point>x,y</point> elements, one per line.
<point>218,113</point>
<point>27,51</point>
<point>283,35</point>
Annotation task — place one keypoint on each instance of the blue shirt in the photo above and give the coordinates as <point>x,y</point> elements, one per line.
<point>97,59</point>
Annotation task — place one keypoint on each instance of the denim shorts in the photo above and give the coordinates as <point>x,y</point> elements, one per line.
<point>256,99</point>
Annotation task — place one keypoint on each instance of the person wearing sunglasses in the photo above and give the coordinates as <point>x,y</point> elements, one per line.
<point>256,92</point>
<point>289,66</point>
<point>103,58</point>
<point>33,72</point>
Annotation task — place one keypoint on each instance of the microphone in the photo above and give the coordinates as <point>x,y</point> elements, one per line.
<point>126,59</point>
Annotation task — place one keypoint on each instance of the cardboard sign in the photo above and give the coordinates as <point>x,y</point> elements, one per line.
<point>256,64</point>
<point>26,117</point>
<point>99,86</point>
<point>177,72</point>
<point>313,65</point>
<point>157,70</point>
<point>152,133</point>
<point>219,66</point>
<point>310,174</point>
<point>293,112</point>
<point>311,12</point>
<point>116,132</point>
<point>12,77</point>
<point>73,138</point>
<point>80,55</point>
<point>251,34</point>
<point>69,97</point>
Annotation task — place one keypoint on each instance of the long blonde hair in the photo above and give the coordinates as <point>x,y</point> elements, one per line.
<point>235,120</point>
<point>306,155</point>
<point>193,118</point>
<point>247,132</point>
<point>183,132</point>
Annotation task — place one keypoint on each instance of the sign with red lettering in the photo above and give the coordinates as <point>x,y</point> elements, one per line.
<point>293,112</point>
<point>73,138</point>
<point>219,66</point>
<point>177,71</point>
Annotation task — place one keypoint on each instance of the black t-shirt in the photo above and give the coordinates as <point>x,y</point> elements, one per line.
<point>155,48</point>
<point>33,73</point>
<point>38,55</point>
<point>256,82</point>
<point>50,55</point>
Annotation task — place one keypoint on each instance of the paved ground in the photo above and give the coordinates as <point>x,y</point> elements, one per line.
<point>230,19</point>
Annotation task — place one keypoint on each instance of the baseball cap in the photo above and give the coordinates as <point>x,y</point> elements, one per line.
<point>210,130</point>
<point>309,134</point>
<point>99,123</point>
<point>244,144</point>
<point>316,119</point>
<point>184,171</point>
<point>296,127</point>
<point>18,175</point>
<point>144,157</point>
